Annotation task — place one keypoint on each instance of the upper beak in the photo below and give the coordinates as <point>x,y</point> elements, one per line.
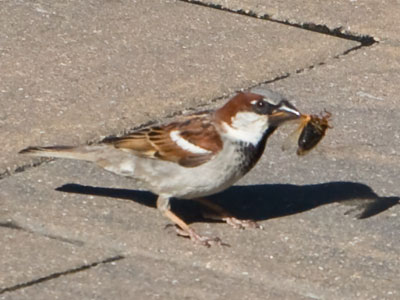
<point>283,112</point>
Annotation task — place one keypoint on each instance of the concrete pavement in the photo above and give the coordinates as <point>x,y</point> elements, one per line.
<point>80,71</point>
<point>356,18</point>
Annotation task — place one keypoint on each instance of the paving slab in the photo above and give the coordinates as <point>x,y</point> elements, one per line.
<point>81,70</point>
<point>145,277</point>
<point>379,19</point>
<point>27,257</point>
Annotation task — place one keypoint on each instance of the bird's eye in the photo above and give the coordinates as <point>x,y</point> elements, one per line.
<point>262,106</point>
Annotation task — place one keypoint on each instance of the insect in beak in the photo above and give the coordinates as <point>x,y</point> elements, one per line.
<point>310,132</point>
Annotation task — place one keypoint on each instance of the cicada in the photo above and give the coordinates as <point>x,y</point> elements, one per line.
<point>310,132</point>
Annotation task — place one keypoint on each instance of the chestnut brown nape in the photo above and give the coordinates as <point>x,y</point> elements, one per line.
<point>241,102</point>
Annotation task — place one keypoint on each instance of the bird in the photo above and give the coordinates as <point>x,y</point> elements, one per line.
<point>192,157</point>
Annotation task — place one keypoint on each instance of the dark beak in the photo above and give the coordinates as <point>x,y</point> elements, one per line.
<point>283,112</point>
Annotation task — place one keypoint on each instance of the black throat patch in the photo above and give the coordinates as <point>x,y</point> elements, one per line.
<point>252,153</point>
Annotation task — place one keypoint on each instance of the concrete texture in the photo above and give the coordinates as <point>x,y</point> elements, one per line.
<point>73,231</point>
<point>379,19</point>
<point>27,257</point>
<point>76,71</point>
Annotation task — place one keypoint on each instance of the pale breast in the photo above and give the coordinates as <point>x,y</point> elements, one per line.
<point>228,166</point>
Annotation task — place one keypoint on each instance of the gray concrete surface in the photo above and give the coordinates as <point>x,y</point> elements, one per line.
<point>27,257</point>
<point>379,19</point>
<point>73,231</point>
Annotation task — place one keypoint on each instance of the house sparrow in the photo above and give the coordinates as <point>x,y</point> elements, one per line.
<point>199,155</point>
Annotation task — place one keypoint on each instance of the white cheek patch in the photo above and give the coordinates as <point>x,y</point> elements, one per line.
<point>246,119</point>
<point>247,127</point>
<point>185,145</point>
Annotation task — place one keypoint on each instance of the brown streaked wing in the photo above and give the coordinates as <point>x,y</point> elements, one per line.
<point>156,142</point>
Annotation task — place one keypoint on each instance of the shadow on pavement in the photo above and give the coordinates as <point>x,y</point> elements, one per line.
<point>261,202</point>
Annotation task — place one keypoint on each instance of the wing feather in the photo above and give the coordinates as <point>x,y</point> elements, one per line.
<point>196,132</point>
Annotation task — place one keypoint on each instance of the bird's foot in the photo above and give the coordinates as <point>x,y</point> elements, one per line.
<point>199,239</point>
<point>241,224</point>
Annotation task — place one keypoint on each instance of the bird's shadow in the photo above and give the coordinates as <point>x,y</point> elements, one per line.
<point>261,202</point>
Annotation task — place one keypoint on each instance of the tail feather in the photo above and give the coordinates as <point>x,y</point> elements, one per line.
<point>71,152</point>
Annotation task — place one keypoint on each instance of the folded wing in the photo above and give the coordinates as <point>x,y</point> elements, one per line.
<point>189,143</point>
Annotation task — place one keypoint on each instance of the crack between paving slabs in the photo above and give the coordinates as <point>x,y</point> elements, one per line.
<point>364,40</point>
<point>24,167</point>
<point>15,226</point>
<point>59,274</point>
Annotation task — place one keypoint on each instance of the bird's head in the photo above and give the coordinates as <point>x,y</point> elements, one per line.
<point>247,116</point>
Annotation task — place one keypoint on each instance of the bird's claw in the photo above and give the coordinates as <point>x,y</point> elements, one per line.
<point>199,239</point>
<point>241,224</point>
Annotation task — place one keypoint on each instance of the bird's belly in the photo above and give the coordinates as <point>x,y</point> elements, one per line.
<point>163,177</point>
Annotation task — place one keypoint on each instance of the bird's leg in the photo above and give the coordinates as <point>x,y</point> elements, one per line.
<point>183,229</point>
<point>225,216</point>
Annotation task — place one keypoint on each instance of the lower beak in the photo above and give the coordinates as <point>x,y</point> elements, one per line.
<point>283,113</point>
